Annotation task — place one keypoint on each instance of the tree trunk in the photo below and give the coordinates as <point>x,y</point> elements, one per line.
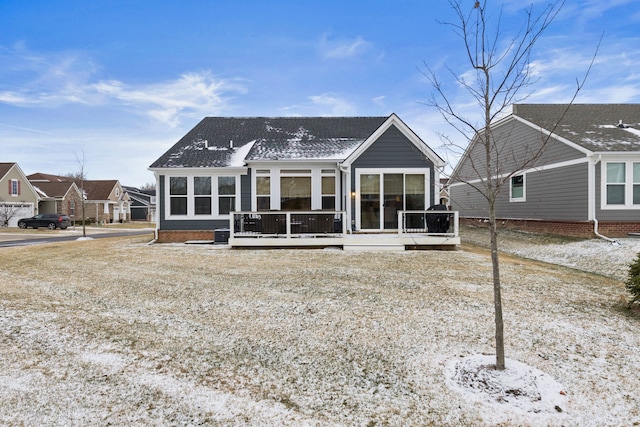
<point>497,295</point>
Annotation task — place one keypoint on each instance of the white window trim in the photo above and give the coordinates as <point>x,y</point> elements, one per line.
<point>379,171</point>
<point>16,183</point>
<point>275,173</point>
<point>524,188</point>
<point>628,185</point>
<point>191,195</point>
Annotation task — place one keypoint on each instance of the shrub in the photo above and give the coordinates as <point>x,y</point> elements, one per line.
<point>633,281</point>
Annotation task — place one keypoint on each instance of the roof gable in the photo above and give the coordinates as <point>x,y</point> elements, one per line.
<point>100,189</point>
<point>232,141</point>
<point>394,120</point>
<point>5,168</point>
<point>54,189</point>
<point>595,127</point>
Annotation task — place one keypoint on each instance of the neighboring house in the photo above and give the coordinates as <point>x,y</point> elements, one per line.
<point>366,169</point>
<point>105,200</point>
<point>60,197</point>
<point>143,203</point>
<point>586,182</point>
<point>18,198</point>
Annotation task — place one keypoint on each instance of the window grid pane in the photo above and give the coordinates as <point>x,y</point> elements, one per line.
<point>636,194</point>
<point>178,185</point>
<point>226,205</point>
<point>263,186</point>
<point>178,206</point>
<point>517,187</point>
<point>202,185</point>
<point>226,185</point>
<point>615,173</point>
<point>615,194</point>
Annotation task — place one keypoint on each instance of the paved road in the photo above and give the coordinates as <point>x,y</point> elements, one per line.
<point>48,236</point>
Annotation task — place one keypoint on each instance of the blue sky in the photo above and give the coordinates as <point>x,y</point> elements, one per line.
<point>119,82</point>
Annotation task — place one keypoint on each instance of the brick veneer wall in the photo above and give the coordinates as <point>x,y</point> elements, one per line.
<point>565,228</point>
<point>174,236</point>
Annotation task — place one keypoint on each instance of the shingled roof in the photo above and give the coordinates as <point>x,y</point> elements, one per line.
<point>230,141</point>
<point>596,127</point>
<point>52,189</point>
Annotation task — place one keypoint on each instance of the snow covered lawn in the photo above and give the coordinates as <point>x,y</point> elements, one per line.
<point>116,332</point>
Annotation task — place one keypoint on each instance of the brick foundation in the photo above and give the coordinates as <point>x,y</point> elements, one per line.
<point>179,236</point>
<point>564,228</point>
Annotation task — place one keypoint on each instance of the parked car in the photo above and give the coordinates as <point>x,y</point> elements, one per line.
<point>51,221</point>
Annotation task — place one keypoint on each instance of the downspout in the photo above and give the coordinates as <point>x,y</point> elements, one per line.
<point>595,220</point>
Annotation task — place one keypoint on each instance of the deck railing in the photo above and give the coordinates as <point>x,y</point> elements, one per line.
<point>334,223</point>
<point>428,222</point>
<point>288,224</point>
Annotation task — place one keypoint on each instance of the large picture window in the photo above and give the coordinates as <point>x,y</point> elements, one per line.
<point>295,193</point>
<point>178,195</point>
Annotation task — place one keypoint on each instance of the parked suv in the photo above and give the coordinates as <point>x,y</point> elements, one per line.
<point>51,221</point>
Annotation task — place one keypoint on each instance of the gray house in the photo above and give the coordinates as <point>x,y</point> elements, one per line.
<point>289,177</point>
<point>585,183</point>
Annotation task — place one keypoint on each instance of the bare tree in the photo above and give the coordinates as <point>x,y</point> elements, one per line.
<point>7,212</point>
<point>79,178</point>
<point>501,76</point>
<point>149,186</point>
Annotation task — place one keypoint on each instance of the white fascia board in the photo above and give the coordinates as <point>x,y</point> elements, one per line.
<point>193,171</point>
<point>617,155</point>
<point>406,131</point>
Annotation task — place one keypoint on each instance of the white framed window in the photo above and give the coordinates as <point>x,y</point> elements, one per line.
<point>517,189</point>
<point>14,187</point>
<point>226,194</point>
<point>621,185</point>
<point>177,195</point>
<point>328,185</point>
<point>294,188</point>
<point>201,196</point>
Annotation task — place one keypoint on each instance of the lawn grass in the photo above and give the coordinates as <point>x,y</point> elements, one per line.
<point>121,332</point>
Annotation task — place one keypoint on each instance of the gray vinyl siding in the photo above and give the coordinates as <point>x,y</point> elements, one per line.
<point>245,192</point>
<point>392,150</point>
<point>516,143</point>
<point>559,194</point>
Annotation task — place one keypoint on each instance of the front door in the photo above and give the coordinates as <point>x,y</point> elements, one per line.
<point>381,194</point>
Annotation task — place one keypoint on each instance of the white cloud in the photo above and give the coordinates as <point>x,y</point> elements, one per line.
<point>49,81</point>
<point>325,104</point>
<point>333,105</point>
<point>343,48</point>
<point>192,94</point>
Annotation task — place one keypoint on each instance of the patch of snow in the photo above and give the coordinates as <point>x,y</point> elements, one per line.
<point>237,158</point>
<point>518,387</point>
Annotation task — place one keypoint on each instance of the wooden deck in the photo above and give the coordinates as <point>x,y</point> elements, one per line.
<point>328,229</point>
